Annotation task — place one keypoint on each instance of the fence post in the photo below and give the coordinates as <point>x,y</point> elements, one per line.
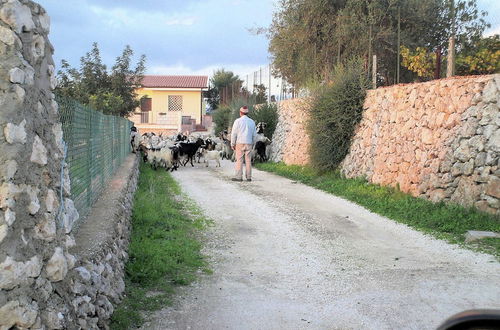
<point>89,157</point>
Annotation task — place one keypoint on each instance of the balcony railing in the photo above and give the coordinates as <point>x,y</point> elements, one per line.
<point>144,117</point>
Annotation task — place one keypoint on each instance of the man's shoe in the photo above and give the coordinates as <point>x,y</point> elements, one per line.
<point>236,179</point>
<point>249,180</point>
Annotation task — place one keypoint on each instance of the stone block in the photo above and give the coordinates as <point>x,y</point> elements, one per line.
<point>70,215</point>
<point>467,192</point>
<point>57,266</point>
<point>489,114</point>
<point>17,16</point>
<point>8,195</point>
<point>16,76</point>
<point>15,314</point>
<point>39,152</point>
<point>493,187</point>
<point>490,92</point>
<point>8,37</point>
<point>20,93</point>
<point>46,229</point>
<point>474,235</point>
<point>494,141</point>
<point>4,229</point>
<point>52,203</point>
<point>13,273</point>
<point>34,204</point>
<point>15,133</point>
<point>9,170</point>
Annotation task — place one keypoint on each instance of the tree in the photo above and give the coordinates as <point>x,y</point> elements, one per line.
<point>308,37</point>
<point>110,92</point>
<point>480,57</point>
<point>221,79</point>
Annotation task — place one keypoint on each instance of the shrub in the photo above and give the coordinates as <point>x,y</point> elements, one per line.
<point>222,118</point>
<point>267,113</point>
<point>337,109</point>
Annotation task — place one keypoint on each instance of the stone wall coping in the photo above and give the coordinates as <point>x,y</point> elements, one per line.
<point>434,81</point>
<point>97,230</point>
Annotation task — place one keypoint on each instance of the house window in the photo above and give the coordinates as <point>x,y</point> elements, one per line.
<point>146,104</point>
<point>175,103</point>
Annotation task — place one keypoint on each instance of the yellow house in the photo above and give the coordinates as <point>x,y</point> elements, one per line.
<point>171,104</point>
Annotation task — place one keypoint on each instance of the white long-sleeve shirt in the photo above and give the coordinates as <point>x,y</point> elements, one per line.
<point>243,131</point>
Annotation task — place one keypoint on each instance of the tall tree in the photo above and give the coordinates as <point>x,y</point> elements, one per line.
<point>110,92</point>
<point>221,79</point>
<point>307,37</point>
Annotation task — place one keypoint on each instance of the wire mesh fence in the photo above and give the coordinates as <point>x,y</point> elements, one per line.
<point>97,144</point>
<point>260,84</point>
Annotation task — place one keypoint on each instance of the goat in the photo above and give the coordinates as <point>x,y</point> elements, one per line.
<point>211,155</point>
<point>189,150</point>
<point>134,140</point>
<point>261,143</point>
<point>227,151</point>
<point>260,151</point>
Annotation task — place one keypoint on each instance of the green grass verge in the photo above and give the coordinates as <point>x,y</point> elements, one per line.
<point>164,251</point>
<point>446,221</point>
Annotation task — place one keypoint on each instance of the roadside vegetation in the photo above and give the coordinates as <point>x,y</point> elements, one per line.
<point>337,108</point>
<point>164,250</point>
<point>445,221</point>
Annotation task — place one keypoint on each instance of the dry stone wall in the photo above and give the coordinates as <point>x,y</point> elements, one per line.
<point>44,282</point>
<point>290,141</point>
<point>438,140</point>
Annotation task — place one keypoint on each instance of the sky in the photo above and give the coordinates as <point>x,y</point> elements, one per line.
<point>178,37</point>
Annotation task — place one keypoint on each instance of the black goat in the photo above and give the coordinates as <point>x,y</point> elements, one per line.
<point>189,150</point>
<point>260,148</point>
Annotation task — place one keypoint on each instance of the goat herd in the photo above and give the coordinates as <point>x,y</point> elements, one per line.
<point>170,151</point>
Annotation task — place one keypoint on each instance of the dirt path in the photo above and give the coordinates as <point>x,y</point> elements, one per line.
<point>287,256</point>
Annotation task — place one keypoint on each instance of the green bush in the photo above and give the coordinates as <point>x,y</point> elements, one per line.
<point>222,118</point>
<point>267,113</point>
<point>337,109</point>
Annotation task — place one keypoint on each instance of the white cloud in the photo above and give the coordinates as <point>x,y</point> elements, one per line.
<point>122,17</point>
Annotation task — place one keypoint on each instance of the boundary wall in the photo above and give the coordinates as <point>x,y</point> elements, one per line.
<point>439,140</point>
<point>51,277</point>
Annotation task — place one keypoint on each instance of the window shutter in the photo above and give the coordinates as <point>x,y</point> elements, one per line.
<point>146,104</point>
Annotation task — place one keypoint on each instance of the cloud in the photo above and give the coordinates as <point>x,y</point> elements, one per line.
<point>181,21</point>
<point>177,36</point>
<point>181,69</point>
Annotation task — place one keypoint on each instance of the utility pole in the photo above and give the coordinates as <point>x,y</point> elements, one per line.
<point>399,45</point>
<point>450,68</point>
<point>269,92</point>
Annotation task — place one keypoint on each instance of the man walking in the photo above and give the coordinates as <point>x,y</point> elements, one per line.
<point>242,139</point>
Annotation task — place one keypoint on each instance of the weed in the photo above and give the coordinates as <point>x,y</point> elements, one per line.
<point>164,251</point>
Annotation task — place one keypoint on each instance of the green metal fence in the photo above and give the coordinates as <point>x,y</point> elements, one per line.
<point>97,144</point>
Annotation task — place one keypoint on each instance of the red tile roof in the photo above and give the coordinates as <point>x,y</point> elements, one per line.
<point>175,81</point>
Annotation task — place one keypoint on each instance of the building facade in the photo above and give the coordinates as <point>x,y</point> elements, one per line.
<point>171,104</point>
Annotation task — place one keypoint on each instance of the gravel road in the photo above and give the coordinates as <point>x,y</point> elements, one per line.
<point>287,256</point>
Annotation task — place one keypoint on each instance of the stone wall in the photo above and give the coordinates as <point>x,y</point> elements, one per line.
<point>45,282</point>
<point>290,141</point>
<point>438,140</point>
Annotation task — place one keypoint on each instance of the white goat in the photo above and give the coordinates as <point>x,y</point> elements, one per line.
<point>211,155</point>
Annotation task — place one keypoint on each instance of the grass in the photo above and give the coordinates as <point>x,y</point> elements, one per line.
<point>445,221</point>
<point>164,251</point>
